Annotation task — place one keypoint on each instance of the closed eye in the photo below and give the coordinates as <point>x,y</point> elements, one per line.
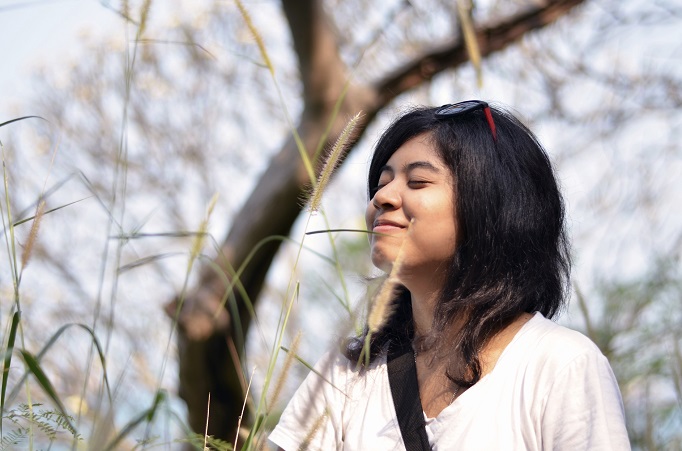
<point>417,183</point>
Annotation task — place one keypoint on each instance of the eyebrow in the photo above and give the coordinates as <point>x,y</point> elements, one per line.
<point>411,166</point>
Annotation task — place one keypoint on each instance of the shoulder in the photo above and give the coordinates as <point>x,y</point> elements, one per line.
<point>335,366</point>
<point>320,410</point>
<point>551,342</point>
<point>552,356</point>
<point>334,380</point>
<point>578,396</point>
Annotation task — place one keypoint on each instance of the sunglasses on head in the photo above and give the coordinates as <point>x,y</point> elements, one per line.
<point>457,109</point>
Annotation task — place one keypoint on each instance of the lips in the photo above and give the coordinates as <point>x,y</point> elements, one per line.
<point>385,225</point>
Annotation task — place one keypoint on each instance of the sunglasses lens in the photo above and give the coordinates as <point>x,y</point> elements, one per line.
<point>449,111</point>
<point>459,108</point>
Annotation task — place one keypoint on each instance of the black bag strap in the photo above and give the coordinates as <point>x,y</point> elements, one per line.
<point>402,377</point>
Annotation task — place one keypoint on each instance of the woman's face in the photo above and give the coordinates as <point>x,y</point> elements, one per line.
<point>416,190</point>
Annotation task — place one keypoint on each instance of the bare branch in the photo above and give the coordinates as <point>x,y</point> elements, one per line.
<point>490,39</point>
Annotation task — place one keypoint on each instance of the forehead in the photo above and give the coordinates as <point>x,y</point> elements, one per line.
<point>418,149</point>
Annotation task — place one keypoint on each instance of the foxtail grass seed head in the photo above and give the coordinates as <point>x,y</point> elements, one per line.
<point>382,307</point>
<point>256,35</point>
<point>26,256</point>
<point>464,11</point>
<point>332,162</point>
<point>319,421</point>
<point>144,17</point>
<point>291,355</point>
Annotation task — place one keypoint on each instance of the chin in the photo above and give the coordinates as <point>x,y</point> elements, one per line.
<point>382,262</point>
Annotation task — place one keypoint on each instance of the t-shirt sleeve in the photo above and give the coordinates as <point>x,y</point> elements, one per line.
<point>583,407</point>
<point>312,419</point>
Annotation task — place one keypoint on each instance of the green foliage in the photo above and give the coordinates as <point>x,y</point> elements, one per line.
<point>207,443</point>
<point>46,423</point>
<point>8,359</point>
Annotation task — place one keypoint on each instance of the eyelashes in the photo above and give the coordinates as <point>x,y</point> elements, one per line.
<point>413,184</point>
<point>417,183</point>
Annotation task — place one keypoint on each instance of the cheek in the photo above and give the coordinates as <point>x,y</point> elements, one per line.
<point>369,216</point>
<point>439,227</point>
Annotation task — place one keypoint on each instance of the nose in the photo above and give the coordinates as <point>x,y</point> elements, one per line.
<point>387,197</point>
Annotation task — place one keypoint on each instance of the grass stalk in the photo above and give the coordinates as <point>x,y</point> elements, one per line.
<point>241,415</point>
<point>12,253</point>
<point>317,190</point>
<point>266,59</point>
<point>195,251</point>
<point>256,35</point>
<point>383,306</point>
<point>464,12</point>
<point>8,363</point>
<point>330,165</point>
<point>291,354</point>
<point>208,416</point>
<point>11,240</point>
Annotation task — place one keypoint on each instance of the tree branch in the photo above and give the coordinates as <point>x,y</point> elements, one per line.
<point>490,39</point>
<point>322,72</point>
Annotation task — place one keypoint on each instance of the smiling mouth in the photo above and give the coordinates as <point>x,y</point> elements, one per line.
<point>384,226</point>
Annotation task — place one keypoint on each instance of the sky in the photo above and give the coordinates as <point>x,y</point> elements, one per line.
<point>35,33</point>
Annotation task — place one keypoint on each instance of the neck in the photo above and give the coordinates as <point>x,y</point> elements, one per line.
<point>425,285</point>
<point>424,300</point>
<point>425,293</point>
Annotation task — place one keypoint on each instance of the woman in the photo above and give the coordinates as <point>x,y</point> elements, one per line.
<point>467,196</point>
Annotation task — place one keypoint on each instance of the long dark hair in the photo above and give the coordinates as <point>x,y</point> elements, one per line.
<point>513,255</point>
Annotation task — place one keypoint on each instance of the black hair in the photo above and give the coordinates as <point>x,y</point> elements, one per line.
<point>513,253</point>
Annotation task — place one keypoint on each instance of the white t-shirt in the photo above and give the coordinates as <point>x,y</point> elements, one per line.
<point>551,389</point>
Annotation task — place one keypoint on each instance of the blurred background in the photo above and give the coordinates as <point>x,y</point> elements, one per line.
<point>155,211</point>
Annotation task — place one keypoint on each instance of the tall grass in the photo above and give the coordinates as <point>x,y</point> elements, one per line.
<point>97,425</point>
<point>25,423</point>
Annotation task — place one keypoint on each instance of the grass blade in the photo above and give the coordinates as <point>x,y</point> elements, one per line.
<point>147,415</point>
<point>21,119</point>
<point>8,359</point>
<point>52,341</point>
<point>21,221</point>
<point>312,368</point>
<point>34,367</point>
